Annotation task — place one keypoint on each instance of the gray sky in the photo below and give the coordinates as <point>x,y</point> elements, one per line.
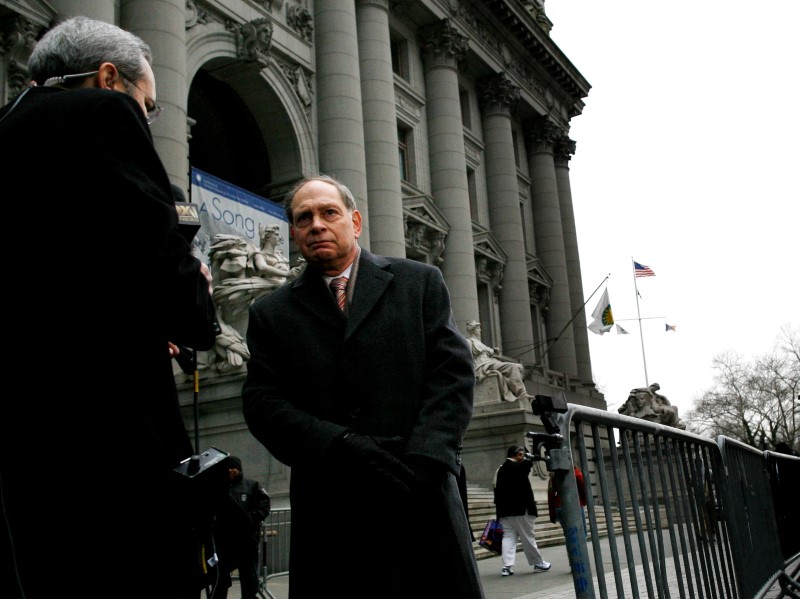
<point>687,161</point>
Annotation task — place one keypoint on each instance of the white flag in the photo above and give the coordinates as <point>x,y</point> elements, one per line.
<point>621,331</point>
<point>603,319</point>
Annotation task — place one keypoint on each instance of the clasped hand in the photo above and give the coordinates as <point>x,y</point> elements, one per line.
<point>374,455</point>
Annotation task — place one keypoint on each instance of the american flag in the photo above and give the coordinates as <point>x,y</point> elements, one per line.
<point>641,270</point>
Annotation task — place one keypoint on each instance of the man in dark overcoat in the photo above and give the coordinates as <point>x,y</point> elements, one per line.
<point>368,404</point>
<point>105,288</point>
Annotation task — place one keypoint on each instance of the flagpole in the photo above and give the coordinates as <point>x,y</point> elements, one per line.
<point>639,318</point>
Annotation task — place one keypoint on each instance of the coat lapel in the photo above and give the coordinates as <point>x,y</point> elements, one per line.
<point>371,283</point>
<point>310,291</point>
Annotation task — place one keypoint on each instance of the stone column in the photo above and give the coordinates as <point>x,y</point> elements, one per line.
<point>498,98</point>
<point>443,47</point>
<point>102,10</point>
<point>339,112</point>
<point>380,129</point>
<point>162,24</point>
<point>550,245</point>
<point>563,150</point>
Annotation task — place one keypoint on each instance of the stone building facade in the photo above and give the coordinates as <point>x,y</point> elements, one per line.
<point>449,120</point>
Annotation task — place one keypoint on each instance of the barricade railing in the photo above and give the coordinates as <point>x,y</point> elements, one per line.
<point>685,516</point>
<point>273,554</point>
<point>658,489</point>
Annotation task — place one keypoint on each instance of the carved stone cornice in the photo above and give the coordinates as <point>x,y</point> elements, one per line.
<point>563,149</point>
<point>443,44</point>
<point>497,92</point>
<point>253,40</point>
<point>300,20</point>
<point>518,35</point>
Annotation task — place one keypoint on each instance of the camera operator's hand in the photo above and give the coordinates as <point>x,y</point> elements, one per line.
<point>207,274</point>
<point>371,455</point>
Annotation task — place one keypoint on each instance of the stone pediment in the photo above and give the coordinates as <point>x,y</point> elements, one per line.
<point>426,228</point>
<point>490,258</point>
<point>537,273</point>
<point>420,208</point>
<point>539,282</point>
<point>486,244</point>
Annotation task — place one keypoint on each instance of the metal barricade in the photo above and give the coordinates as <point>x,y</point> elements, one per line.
<point>273,548</point>
<point>658,490</point>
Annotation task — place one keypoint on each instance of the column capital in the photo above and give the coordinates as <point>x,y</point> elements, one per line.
<point>563,149</point>
<point>498,92</point>
<point>543,133</point>
<point>443,44</point>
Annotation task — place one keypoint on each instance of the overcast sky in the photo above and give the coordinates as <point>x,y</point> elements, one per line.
<point>687,161</point>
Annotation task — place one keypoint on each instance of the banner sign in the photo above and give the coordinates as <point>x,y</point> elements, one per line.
<point>226,208</point>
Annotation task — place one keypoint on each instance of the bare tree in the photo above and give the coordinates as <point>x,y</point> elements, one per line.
<point>756,402</point>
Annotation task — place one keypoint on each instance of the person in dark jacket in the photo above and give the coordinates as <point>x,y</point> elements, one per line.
<point>237,531</point>
<point>117,291</point>
<point>516,510</point>
<point>367,399</point>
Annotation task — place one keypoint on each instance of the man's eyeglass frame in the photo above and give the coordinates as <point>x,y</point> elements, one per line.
<point>152,113</point>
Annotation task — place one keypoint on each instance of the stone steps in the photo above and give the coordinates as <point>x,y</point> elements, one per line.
<point>481,509</point>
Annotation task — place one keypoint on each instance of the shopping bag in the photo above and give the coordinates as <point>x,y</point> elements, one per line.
<point>492,537</point>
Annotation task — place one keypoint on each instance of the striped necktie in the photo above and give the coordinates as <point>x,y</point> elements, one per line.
<point>338,286</point>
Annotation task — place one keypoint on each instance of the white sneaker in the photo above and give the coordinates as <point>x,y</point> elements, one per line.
<point>507,571</point>
<point>544,567</point>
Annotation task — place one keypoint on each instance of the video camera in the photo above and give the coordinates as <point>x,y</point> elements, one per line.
<point>545,407</point>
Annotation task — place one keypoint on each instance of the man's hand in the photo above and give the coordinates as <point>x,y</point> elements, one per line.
<point>368,454</point>
<point>174,350</point>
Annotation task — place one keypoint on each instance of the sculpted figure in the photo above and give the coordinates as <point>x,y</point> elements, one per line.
<point>489,362</point>
<point>648,404</point>
<point>242,273</point>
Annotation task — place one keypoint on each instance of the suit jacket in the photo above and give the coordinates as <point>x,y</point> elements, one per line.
<point>102,282</point>
<point>396,366</point>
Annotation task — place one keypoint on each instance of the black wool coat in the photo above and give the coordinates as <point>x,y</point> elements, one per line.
<point>101,283</point>
<point>396,366</point>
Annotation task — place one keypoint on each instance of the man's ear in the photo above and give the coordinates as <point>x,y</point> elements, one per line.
<point>356,223</point>
<point>107,76</point>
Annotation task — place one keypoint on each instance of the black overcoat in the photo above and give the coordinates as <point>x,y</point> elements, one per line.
<point>397,366</point>
<point>101,280</point>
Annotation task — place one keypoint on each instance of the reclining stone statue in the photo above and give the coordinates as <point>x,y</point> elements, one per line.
<point>646,403</point>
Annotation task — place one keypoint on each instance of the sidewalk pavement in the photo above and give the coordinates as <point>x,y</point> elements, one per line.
<point>556,583</point>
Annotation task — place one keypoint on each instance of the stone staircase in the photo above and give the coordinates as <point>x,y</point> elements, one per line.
<point>481,508</point>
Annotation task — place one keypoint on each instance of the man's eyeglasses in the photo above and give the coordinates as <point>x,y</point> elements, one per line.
<point>153,108</point>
